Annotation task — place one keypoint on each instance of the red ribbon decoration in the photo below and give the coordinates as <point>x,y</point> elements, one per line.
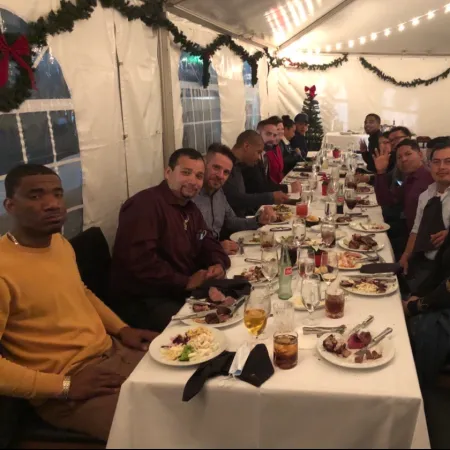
<point>16,51</point>
<point>311,90</point>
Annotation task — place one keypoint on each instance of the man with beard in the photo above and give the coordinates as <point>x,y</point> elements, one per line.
<point>299,141</point>
<point>213,203</point>
<point>64,350</point>
<point>163,247</point>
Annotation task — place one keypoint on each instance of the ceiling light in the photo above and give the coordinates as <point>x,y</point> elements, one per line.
<point>430,15</point>
<point>387,32</point>
<point>373,36</point>
<point>317,50</point>
<point>362,40</point>
<point>401,27</point>
<point>338,46</point>
<point>447,8</point>
<point>415,21</point>
<point>351,44</point>
<point>328,48</point>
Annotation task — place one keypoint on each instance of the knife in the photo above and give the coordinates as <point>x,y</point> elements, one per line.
<point>281,229</point>
<point>198,315</point>
<point>323,330</point>
<point>253,261</point>
<point>362,325</point>
<point>375,341</point>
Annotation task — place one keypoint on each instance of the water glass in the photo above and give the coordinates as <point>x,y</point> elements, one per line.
<point>269,264</point>
<point>267,239</point>
<point>329,267</point>
<point>285,350</point>
<point>335,172</point>
<point>313,181</point>
<point>330,209</point>
<point>306,264</point>
<point>328,232</point>
<point>284,316</point>
<point>311,296</point>
<point>299,231</point>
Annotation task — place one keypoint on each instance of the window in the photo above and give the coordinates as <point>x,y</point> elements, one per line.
<point>43,131</point>
<point>201,107</point>
<point>252,108</point>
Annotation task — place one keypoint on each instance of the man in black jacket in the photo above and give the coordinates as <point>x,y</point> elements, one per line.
<point>372,126</point>
<point>248,150</point>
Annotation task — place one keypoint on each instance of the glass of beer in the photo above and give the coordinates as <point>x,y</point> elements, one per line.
<point>334,303</point>
<point>257,311</point>
<point>285,350</point>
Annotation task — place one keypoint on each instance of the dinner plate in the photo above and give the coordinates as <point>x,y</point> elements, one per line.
<point>340,234</point>
<point>344,244</point>
<point>309,242</point>
<point>370,189</point>
<point>366,227</point>
<point>358,265</point>
<point>371,204</point>
<point>237,271</point>
<point>392,287</point>
<point>165,339</point>
<point>386,347</point>
<point>238,317</point>
<point>247,236</point>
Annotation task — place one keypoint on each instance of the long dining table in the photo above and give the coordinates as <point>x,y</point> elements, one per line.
<point>314,405</point>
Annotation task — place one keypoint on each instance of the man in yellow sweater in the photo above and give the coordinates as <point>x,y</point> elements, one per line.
<point>63,349</point>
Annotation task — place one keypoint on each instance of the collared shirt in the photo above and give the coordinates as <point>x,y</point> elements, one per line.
<point>407,194</point>
<point>423,200</point>
<point>218,213</point>
<point>160,244</point>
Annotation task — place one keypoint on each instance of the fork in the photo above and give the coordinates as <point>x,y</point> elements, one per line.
<point>241,246</point>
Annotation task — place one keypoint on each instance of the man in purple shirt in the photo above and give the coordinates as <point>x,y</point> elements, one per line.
<point>163,248</point>
<point>417,179</point>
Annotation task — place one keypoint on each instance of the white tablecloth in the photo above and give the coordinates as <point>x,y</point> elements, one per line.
<point>315,405</point>
<point>342,141</point>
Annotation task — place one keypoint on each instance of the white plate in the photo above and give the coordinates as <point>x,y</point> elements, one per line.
<point>246,235</point>
<point>391,289</point>
<point>296,300</point>
<point>339,233</point>
<point>238,316</point>
<point>237,271</point>
<point>386,347</point>
<point>344,244</point>
<point>367,228</point>
<point>309,242</point>
<point>357,266</point>
<point>371,204</point>
<point>165,339</point>
<point>365,185</point>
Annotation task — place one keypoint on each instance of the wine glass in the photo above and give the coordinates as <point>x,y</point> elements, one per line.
<point>306,263</point>
<point>257,311</point>
<point>329,267</point>
<point>350,181</point>
<point>330,209</point>
<point>269,264</point>
<point>350,199</point>
<point>299,231</point>
<point>311,297</point>
<point>328,232</point>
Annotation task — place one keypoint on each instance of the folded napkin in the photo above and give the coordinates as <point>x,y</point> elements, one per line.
<point>235,288</point>
<point>382,268</point>
<point>257,370</point>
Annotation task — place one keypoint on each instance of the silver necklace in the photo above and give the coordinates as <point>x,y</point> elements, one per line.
<point>12,238</point>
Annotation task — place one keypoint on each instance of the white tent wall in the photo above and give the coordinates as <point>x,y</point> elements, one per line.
<point>137,51</point>
<point>348,93</point>
<point>87,57</point>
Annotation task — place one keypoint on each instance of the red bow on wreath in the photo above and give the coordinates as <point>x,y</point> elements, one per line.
<point>16,51</point>
<point>311,90</point>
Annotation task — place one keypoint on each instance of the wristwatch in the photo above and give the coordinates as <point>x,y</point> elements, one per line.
<point>66,388</point>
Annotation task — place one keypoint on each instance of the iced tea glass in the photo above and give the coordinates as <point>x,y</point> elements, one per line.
<point>285,350</point>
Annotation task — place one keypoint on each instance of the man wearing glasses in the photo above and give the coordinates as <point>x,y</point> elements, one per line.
<point>432,219</point>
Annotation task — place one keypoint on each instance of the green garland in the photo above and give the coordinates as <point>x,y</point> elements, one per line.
<point>408,84</point>
<point>281,62</point>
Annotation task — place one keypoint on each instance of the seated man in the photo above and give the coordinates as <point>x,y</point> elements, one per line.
<point>418,178</point>
<point>64,349</point>
<point>432,218</point>
<point>163,248</point>
<point>299,142</point>
<point>273,152</point>
<point>291,156</point>
<point>214,205</point>
<point>247,153</point>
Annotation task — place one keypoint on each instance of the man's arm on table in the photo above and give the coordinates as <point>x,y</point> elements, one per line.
<point>18,381</point>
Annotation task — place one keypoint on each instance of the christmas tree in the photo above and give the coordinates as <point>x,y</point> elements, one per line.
<point>312,109</point>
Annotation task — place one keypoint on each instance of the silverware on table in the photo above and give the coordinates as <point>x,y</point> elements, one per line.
<point>281,229</point>
<point>362,325</point>
<point>319,331</point>
<point>198,315</point>
<point>241,246</point>
<point>253,261</point>
<point>375,341</point>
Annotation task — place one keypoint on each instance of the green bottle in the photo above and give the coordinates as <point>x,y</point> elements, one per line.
<point>285,275</point>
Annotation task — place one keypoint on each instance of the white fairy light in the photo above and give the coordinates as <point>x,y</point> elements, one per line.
<point>387,32</point>
<point>374,36</point>
<point>338,46</point>
<point>362,40</point>
<point>351,43</point>
<point>401,27</point>
<point>317,50</point>
<point>447,8</point>
<point>431,15</point>
<point>328,48</point>
<point>415,21</point>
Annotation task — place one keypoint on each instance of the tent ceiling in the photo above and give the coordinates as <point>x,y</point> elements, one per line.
<point>318,23</point>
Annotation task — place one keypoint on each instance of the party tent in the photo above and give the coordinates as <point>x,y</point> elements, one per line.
<point>111,87</point>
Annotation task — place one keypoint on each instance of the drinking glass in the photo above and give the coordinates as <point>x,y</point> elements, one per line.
<point>330,209</point>
<point>284,316</point>
<point>285,350</point>
<point>299,231</point>
<point>306,264</point>
<point>307,195</point>
<point>269,264</point>
<point>334,303</point>
<point>335,172</point>
<point>313,181</point>
<point>310,296</point>
<point>267,239</point>
<point>329,267</point>
<point>257,311</point>
<point>350,181</point>
<point>328,232</point>
<point>351,199</point>
<point>302,208</point>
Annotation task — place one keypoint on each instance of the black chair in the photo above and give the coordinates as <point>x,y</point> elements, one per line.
<point>20,427</point>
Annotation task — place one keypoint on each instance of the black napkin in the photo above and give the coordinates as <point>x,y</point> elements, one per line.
<point>235,288</point>
<point>382,268</point>
<point>302,169</point>
<point>257,370</point>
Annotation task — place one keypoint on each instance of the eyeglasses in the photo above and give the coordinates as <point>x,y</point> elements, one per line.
<point>438,162</point>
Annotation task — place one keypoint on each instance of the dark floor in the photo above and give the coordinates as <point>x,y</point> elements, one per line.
<point>437,409</point>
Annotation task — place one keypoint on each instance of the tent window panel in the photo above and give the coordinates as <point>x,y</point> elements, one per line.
<point>11,154</point>
<point>74,223</point>
<point>72,181</point>
<point>252,100</point>
<point>36,133</point>
<point>65,134</point>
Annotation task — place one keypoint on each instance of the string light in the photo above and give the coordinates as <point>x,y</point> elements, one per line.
<point>362,40</point>
<point>351,44</point>
<point>401,27</point>
<point>317,50</point>
<point>338,46</point>
<point>387,32</point>
<point>430,15</point>
<point>374,36</point>
<point>328,48</point>
<point>415,22</point>
<point>447,8</point>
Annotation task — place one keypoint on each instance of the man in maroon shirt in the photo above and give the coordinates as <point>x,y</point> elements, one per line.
<point>163,248</point>
<point>417,179</point>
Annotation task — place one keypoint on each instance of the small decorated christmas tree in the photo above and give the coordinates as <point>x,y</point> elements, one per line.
<point>311,107</point>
